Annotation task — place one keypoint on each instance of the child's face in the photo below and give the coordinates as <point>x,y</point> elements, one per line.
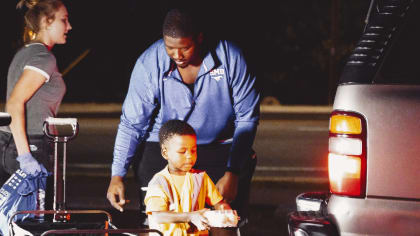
<point>181,153</point>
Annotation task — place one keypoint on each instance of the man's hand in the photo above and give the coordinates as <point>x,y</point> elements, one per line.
<point>228,186</point>
<point>28,164</point>
<point>116,193</point>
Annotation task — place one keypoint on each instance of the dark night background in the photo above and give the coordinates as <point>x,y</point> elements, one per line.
<point>286,42</point>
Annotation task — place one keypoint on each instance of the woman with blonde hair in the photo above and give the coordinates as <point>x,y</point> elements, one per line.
<point>35,88</point>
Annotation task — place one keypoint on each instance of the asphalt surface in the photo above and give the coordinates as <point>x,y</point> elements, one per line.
<point>299,112</point>
<point>267,111</point>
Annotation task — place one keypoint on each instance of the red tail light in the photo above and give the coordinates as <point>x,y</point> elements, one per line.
<point>347,154</point>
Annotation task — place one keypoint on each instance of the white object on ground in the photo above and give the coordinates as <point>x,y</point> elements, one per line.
<point>222,218</point>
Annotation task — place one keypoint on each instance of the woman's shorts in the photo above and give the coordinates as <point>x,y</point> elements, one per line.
<point>41,150</point>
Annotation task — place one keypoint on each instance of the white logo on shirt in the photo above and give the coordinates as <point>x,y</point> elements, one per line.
<point>217,74</point>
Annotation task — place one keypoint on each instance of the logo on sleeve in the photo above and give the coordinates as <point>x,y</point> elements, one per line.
<point>217,74</point>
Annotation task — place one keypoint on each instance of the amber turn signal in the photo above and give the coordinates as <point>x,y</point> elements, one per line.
<point>343,124</point>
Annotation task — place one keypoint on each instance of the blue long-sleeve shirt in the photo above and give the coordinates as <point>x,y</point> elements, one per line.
<point>223,108</point>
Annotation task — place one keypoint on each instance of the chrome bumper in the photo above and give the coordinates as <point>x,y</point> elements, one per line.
<point>311,217</point>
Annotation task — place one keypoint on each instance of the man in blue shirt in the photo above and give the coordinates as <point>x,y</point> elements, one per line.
<point>185,77</point>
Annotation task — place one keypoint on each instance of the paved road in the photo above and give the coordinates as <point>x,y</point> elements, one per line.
<point>291,159</point>
<point>285,149</point>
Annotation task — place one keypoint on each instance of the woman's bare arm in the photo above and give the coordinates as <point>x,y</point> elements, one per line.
<point>29,82</point>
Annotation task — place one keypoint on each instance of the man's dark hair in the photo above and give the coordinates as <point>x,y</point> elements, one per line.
<point>172,128</point>
<point>180,23</point>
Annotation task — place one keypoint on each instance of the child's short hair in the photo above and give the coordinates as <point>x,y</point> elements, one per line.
<point>174,127</point>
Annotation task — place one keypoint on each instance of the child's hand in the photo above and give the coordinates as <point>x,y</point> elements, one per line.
<point>199,220</point>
